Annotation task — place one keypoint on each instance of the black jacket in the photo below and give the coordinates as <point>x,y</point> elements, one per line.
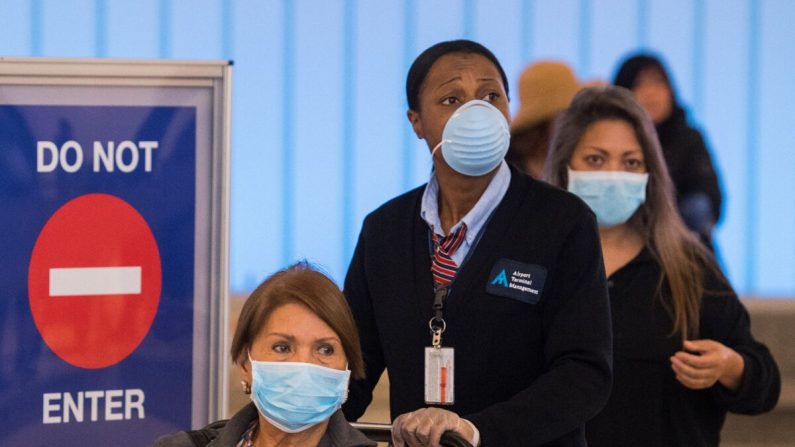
<point>227,433</point>
<point>648,406</point>
<point>686,155</point>
<point>688,160</point>
<point>526,373</point>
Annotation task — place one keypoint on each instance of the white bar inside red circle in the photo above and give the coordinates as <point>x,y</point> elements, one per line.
<point>82,281</point>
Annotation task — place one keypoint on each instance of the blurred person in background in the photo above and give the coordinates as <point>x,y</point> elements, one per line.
<point>545,89</point>
<point>698,193</point>
<point>683,350</point>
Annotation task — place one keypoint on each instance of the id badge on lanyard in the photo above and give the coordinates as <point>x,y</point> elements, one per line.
<point>439,361</point>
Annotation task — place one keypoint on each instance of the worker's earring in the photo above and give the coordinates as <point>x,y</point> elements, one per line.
<point>246,387</point>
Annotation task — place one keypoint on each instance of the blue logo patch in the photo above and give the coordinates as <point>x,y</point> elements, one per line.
<point>517,280</point>
<point>500,279</point>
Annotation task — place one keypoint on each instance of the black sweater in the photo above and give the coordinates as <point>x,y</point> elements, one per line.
<point>648,406</point>
<point>688,159</point>
<point>525,374</point>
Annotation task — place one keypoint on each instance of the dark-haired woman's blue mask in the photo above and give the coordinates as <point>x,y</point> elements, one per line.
<point>475,138</point>
<point>614,196</point>
<point>294,396</point>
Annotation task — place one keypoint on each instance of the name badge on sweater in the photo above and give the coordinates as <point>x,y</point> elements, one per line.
<point>439,376</point>
<point>517,280</point>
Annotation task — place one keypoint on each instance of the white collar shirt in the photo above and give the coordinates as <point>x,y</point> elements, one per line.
<point>475,219</point>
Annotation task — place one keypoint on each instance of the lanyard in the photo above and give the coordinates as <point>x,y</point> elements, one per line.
<point>437,323</point>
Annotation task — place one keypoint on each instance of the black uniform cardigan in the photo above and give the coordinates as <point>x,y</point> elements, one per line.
<point>525,374</point>
<point>648,406</point>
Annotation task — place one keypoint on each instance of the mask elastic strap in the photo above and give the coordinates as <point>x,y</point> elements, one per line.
<point>437,147</point>
<point>347,387</point>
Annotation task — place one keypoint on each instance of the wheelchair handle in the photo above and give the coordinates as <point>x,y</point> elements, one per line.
<point>383,433</point>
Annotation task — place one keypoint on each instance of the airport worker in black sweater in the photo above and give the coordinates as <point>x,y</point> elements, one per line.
<point>482,293</point>
<point>683,350</point>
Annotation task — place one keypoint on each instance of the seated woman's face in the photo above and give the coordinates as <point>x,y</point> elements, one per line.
<point>453,80</point>
<point>608,145</point>
<point>293,333</point>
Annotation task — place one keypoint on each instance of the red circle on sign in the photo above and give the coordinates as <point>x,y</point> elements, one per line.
<point>94,281</point>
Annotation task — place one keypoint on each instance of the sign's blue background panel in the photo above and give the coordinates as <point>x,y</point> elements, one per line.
<point>165,197</point>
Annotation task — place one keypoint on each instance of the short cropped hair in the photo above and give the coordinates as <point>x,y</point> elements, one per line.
<point>423,63</point>
<point>301,284</point>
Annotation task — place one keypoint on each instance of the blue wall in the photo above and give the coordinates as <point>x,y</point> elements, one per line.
<point>320,135</point>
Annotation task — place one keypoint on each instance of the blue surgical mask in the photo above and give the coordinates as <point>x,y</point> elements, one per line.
<point>294,396</point>
<point>475,138</point>
<point>614,196</point>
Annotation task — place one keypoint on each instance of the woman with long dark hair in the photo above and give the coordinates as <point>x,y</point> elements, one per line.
<point>683,351</point>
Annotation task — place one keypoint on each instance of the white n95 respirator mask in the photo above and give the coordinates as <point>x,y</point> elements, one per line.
<point>475,138</point>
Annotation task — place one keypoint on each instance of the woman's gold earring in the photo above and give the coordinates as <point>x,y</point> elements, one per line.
<point>246,387</point>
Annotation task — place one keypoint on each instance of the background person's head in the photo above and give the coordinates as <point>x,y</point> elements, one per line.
<point>446,76</point>
<point>648,79</point>
<point>297,315</point>
<point>545,89</point>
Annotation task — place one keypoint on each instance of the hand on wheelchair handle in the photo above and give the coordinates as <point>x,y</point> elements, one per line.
<point>426,427</point>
